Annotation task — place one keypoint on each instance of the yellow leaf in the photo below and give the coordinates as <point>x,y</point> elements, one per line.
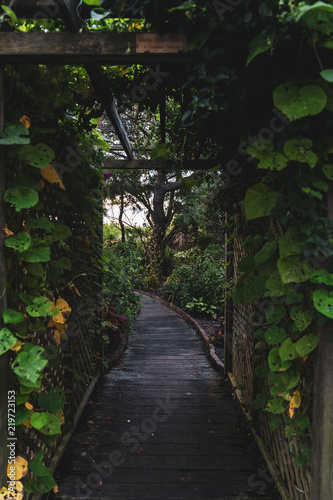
<point>57,336</point>
<point>17,470</point>
<point>55,489</point>
<point>26,121</point>
<point>17,346</point>
<point>297,399</point>
<point>77,292</point>
<point>29,406</point>
<point>57,326</point>
<point>27,422</point>
<point>17,494</point>
<point>294,403</point>
<point>7,231</point>
<point>50,174</point>
<point>65,311</point>
<point>305,358</point>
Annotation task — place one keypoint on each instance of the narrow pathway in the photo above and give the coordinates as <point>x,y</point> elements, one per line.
<point>163,426</point>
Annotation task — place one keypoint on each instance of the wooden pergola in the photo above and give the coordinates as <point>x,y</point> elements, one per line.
<point>79,47</point>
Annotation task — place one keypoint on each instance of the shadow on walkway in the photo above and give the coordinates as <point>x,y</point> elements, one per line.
<point>162,425</point>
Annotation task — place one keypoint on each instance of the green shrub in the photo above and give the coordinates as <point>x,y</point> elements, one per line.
<point>197,280</point>
<point>123,273</point>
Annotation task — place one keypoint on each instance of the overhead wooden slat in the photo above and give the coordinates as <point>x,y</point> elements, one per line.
<point>111,164</point>
<point>88,48</point>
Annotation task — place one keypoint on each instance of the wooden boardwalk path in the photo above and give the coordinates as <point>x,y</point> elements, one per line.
<point>162,425</point>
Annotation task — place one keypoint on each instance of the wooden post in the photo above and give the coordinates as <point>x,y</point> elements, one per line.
<point>228,315</point>
<point>3,272</point>
<point>322,422</point>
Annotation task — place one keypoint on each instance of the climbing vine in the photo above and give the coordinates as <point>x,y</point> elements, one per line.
<point>286,272</point>
<point>44,278</point>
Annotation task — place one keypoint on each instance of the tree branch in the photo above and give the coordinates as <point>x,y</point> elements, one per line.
<point>173,186</point>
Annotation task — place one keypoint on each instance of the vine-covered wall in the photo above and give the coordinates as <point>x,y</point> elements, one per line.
<point>53,238</point>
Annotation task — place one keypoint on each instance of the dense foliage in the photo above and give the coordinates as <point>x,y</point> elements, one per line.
<point>197,280</point>
<point>256,95</point>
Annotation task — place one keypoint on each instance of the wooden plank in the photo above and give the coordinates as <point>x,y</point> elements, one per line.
<point>81,48</point>
<point>161,448</point>
<point>111,164</point>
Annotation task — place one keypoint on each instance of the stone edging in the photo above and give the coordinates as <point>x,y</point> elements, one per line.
<point>215,360</point>
<point>116,355</point>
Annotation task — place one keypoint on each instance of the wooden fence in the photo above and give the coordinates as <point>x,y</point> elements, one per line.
<point>294,482</point>
<point>81,352</point>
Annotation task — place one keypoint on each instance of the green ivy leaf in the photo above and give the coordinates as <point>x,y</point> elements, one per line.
<point>38,156</point>
<point>323,302</point>
<point>261,43</point>
<point>7,340</point>
<point>60,233</point>
<point>276,405</point>
<point>21,398</point>
<point>328,171</point>
<point>41,306</point>
<point>274,335</point>
<point>291,243</point>
<point>251,242</point>
<point>294,297</point>
<point>303,422</point>
<point>274,314</point>
<point>259,201</point>
<point>266,252</point>
<point>21,415</point>
<point>275,286</point>
<point>28,365</point>
<point>21,197</point>
<point>293,270</point>
<point>42,223</point>
<point>38,252</point>
<point>306,8</point>
<point>302,319</point>
<point>275,362</point>
<point>14,134</point>
<point>37,466</point>
<point>19,242</point>
<point>306,344</point>
<point>52,401</point>
<point>297,102</point>
<point>11,316</point>
<point>246,265</point>
<point>287,350</point>
<point>274,422</point>
<point>322,276</point>
<point>46,423</point>
<point>36,269</point>
<point>300,150</point>
<point>259,402</point>
<point>92,2</point>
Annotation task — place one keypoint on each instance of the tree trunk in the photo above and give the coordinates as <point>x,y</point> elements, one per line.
<point>120,219</point>
<point>158,204</point>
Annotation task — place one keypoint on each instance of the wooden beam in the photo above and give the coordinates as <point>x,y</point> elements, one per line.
<point>111,164</point>
<point>86,48</point>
